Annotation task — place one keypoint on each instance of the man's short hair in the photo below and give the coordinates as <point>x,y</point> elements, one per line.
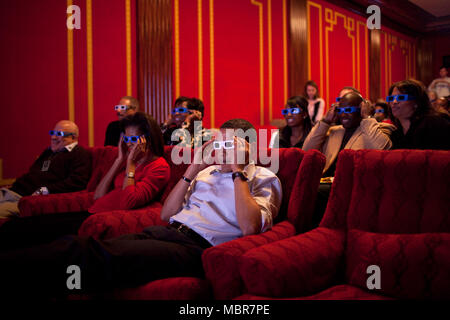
<point>180,100</point>
<point>133,102</point>
<point>239,124</point>
<point>196,104</point>
<point>350,88</point>
<point>442,67</point>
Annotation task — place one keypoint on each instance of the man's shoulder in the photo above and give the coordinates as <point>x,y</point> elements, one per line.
<point>262,173</point>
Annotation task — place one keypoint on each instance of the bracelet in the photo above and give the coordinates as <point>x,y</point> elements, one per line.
<point>186,179</point>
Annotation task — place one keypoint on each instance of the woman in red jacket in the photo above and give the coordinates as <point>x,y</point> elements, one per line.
<point>137,176</point>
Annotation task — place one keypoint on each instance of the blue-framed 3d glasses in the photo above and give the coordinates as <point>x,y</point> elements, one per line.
<point>338,99</point>
<point>379,111</point>
<point>400,97</point>
<point>60,133</point>
<point>180,110</point>
<point>291,111</point>
<point>348,110</point>
<point>132,139</point>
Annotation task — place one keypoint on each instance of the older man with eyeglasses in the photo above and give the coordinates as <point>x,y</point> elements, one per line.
<point>127,105</point>
<point>63,167</point>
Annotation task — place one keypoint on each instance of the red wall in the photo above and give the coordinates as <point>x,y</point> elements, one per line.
<point>34,85</point>
<point>441,49</point>
<point>246,77</point>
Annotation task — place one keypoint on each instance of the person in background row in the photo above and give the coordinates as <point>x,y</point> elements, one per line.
<point>184,121</point>
<point>127,106</point>
<point>419,126</point>
<point>357,131</point>
<point>432,95</point>
<point>442,84</point>
<point>382,111</point>
<point>298,124</point>
<point>63,167</point>
<point>442,106</point>
<point>137,177</point>
<point>316,105</point>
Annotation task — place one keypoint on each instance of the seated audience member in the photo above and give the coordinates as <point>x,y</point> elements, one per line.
<point>419,126</point>
<point>127,106</point>
<point>357,131</point>
<point>63,167</point>
<point>136,177</point>
<point>441,85</point>
<point>316,105</point>
<point>207,207</point>
<point>382,111</point>
<point>186,116</point>
<point>298,124</point>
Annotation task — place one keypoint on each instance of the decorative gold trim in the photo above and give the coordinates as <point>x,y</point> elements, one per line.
<point>261,60</point>
<point>211,60</point>
<point>269,35</point>
<point>285,57</point>
<point>176,6</point>
<point>128,47</point>
<point>70,72</point>
<point>200,49</point>
<point>319,7</point>
<point>90,77</point>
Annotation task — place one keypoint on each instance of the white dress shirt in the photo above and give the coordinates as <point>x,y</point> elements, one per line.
<point>209,206</point>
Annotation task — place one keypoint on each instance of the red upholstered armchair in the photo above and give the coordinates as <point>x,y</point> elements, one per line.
<point>102,159</point>
<point>387,209</point>
<point>299,174</point>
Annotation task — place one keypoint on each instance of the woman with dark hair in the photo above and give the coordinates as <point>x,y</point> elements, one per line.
<point>139,172</point>
<point>316,104</point>
<point>419,126</point>
<point>137,176</point>
<point>298,124</point>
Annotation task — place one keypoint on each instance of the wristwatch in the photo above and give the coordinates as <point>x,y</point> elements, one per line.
<point>130,175</point>
<point>239,174</point>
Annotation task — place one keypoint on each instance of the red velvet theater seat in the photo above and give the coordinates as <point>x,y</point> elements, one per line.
<point>299,174</point>
<point>102,159</point>
<point>388,209</point>
<point>106,225</point>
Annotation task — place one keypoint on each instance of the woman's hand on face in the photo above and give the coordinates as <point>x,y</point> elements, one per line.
<point>331,115</point>
<point>122,149</point>
<point>136,149</point>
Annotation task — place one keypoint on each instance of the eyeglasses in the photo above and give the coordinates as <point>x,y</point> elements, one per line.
<point>132,139</point>
<point>347,110</point>
<point>400,97</point>
<point>379,111</point>
<point>227,144</point>
<point>338,99</point>
<point>121,107</point>
<point>180,110</point>
<point>291,111</point>
<point>60,133</point>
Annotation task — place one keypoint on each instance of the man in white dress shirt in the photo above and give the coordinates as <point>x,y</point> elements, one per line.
<point>208,206</point>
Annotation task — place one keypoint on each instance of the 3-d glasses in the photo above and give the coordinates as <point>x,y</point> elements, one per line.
<point>338,99</point>
<point>180,110</point>
<point>227,144</point>
<point>60,133</point>
<point>347,110</point>
<point>400,97</point>
<point>379,111</point>
<point>291,111</point>
<point>121,107</point>
<point>132,139</point>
